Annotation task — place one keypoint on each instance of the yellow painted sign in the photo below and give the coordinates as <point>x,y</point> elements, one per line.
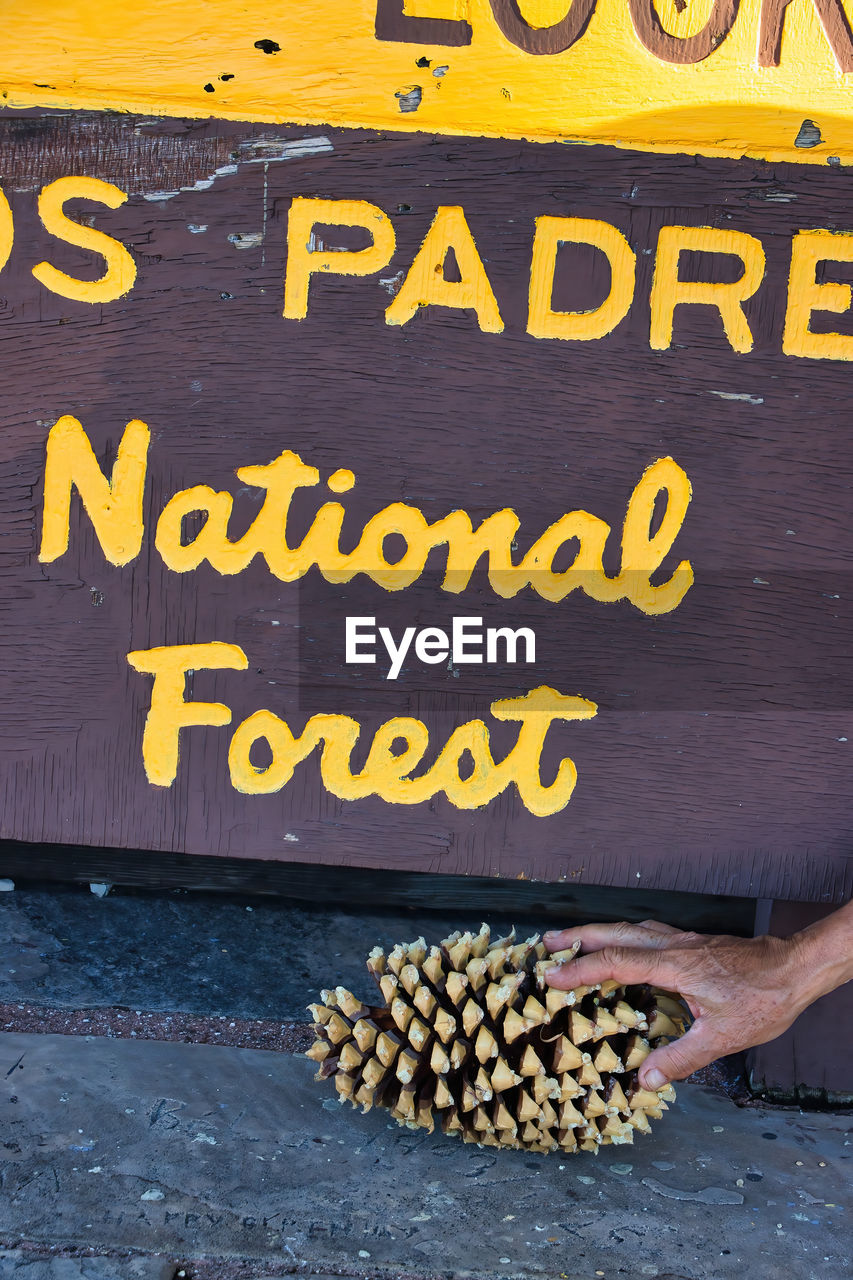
<point>764,78</point>
<point>424,283</point>
<point>115,507</point>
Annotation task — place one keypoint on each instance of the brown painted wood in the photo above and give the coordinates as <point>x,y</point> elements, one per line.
<point>833,20</point>
<point>718,762</point>
<point>542,40</point>
<point>393,24</point>
<point>687,50</point>
<point>811,1061</point>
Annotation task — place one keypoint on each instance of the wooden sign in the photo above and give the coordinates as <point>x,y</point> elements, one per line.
<point>470,505</point>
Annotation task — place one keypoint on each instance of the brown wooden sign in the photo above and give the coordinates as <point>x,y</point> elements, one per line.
<point>448,504</point>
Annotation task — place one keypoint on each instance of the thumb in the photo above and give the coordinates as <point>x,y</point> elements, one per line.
<point>680,1057</point>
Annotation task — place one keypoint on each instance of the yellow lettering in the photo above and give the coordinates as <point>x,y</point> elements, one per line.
<point>7,230</point>
<point>425,284</point>
<point>493,538</point>
<point>586,570</point>
<point>280,478</point>
<point>320,546</point>
<point>168,712</point>
<point>643,553</point>
<point>805,295</point>
<point>305,259</point>
<point>339,735</point>
<point>385,770</point>
<point>537,710</point>
<point>579,326</point>
<point>486,779</point>
<point>369,556</point>
<point>286,752</point>
<point>114,506</point>
<point>465,545</point>
<point>119,277</point>
<point>265,536</point>
<point>210,543</point>
<point>668,291</point>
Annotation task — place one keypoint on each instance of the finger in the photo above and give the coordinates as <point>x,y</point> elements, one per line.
<point>680,1058</point>
<point>594,937</point>
<point>621,964</point>
<point>659,926</point>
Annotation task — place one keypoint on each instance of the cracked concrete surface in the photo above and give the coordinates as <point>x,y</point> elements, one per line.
<point>197,1150</point>
<point>17,1265</point>
<point>152,1154</point>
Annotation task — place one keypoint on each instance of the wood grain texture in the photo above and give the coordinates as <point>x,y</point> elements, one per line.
<point>392,23</point>
<point>719,759</point>
<point>521,901</point>
<point>691,49</point>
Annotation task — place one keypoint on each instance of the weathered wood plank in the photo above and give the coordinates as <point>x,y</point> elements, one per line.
<point>355,887</point>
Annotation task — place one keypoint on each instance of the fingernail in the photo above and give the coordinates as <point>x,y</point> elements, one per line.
<point>655,1079</point>
<point>553,972</point>
<point>549,936</point>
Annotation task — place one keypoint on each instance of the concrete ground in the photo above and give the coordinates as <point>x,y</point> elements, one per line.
<point>159,1158</point>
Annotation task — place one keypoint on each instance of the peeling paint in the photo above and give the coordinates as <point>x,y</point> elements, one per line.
<point>808,136</point>
<point>200,184</point>
<point>246,239</point>
<point>269,150</point>
<point>409,99</point>
<point>391,284</point>
<point>257,151</point>
<point>736,395</point>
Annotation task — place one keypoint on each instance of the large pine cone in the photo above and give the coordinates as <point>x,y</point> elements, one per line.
<point>471,1038</point>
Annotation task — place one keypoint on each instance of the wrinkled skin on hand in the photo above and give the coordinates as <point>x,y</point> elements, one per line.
<point>741,991</point>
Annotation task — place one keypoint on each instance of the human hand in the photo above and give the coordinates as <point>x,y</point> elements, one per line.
<point>741,991</point>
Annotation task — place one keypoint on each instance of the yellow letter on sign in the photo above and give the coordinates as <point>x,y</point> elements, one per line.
<point>581,326</point>
<point>121,269</point>
<point>805,295</point>
<point>426,285</point>
<point>642,551</point>
<point>7,230</point>
<point>305,258</point>
<point>114,506</point>
<point>668,291</point>
<point>169,713</point>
